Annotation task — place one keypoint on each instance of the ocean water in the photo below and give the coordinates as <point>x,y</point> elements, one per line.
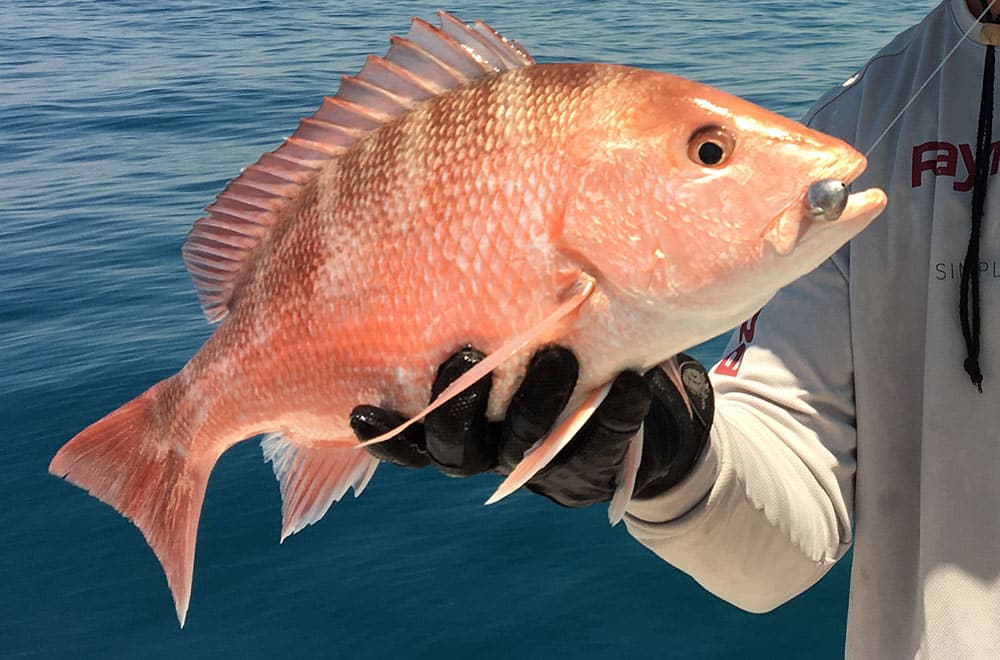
<point>119,121</point>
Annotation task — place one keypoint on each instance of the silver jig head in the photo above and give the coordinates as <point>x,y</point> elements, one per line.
<point>827,199</point>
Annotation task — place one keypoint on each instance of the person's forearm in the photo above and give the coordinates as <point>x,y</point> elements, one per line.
<point>752,537</point>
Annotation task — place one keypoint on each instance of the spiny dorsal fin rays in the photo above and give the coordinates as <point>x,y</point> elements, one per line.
<point>511,52</point>
<point>362,91</point>
<point>498,51</point>
<point>443,50</point>
<point>427,62</point>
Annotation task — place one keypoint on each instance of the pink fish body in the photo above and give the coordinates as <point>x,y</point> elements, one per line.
<point>456,193</point>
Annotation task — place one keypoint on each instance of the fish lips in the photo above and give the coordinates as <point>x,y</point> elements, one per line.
<point>794,226</point>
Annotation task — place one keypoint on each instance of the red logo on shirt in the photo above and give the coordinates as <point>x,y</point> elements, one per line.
<point>942,158</point>
<point>730,365</point>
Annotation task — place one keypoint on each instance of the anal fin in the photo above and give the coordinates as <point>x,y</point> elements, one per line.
<point>313,478</point>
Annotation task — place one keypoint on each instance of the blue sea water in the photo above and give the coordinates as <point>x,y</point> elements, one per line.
<point>119,121</point>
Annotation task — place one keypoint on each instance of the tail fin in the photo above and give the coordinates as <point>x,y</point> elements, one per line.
<point>123,460</point>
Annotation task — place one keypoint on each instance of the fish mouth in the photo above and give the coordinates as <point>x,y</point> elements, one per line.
<point>795,225</point>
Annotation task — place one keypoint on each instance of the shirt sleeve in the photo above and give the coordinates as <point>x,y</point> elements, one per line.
<point>767,511</point>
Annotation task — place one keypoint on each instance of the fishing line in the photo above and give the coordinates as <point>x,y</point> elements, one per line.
<point>930,78</point>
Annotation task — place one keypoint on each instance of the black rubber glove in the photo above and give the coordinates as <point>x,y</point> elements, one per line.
<point>459,441</point>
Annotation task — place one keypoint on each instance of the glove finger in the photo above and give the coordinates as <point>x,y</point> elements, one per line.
<point>456,434</point>
<point>586,471</point>
<point>605,436</point>
<point>547,386</point>
<point>406,449</point>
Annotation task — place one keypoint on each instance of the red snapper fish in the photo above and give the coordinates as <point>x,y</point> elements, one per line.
<point>455,192</point>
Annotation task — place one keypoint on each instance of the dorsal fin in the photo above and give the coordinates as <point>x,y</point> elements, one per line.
<point>427,62</point>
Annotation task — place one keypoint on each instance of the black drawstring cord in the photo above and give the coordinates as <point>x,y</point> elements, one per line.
<point>970,270</point>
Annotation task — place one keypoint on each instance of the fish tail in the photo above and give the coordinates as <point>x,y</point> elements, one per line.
<point>157,482</point>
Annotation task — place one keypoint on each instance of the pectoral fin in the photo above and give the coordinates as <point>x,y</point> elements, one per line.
<point>579,294</point>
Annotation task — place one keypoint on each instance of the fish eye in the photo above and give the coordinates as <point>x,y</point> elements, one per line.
<point>711,146</point>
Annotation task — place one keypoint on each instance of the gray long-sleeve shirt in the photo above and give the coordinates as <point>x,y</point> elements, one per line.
<point>843,411</point>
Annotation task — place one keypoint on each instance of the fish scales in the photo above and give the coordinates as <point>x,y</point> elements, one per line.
<point>426,190</point>
<point>422,220</point>
<point>520,205</point>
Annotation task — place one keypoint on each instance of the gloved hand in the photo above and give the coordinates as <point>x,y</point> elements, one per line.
<point>458,440</point>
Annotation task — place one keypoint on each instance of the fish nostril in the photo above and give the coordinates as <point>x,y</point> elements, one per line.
<point>827,199</point>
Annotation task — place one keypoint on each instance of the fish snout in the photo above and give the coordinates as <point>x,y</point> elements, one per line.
<point>826,199</point>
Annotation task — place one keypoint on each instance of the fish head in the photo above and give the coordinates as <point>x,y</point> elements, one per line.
<point>698,202</point>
